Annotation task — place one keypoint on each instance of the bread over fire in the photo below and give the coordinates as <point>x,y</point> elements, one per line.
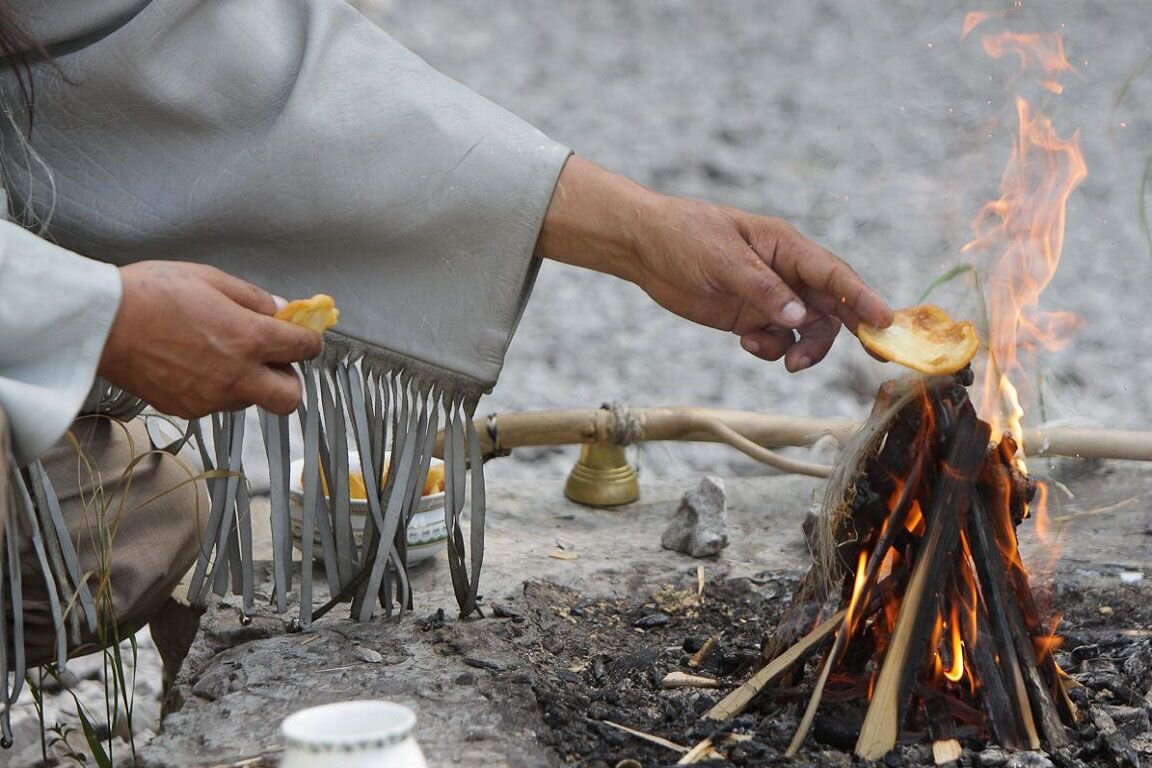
<point>924,339</point>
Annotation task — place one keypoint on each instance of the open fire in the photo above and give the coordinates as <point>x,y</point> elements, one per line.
<point>938,629</point>
<point>934,622</point>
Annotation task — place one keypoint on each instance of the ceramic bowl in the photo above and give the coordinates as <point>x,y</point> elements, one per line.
<point>427,532</point>
<point>351,734</point>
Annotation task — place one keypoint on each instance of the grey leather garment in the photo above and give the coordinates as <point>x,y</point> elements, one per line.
<point>293,143</point>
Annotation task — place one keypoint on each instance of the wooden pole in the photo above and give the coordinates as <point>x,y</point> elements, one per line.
<point>516,429</point>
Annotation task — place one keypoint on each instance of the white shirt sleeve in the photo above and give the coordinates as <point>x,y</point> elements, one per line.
<point>56,309</point>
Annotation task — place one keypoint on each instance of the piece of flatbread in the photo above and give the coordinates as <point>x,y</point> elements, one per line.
<point>924,339</point>
<point>318,313</point>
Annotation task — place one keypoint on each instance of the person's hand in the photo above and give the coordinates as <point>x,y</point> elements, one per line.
<point>752,275</point>
<point>192,340</point>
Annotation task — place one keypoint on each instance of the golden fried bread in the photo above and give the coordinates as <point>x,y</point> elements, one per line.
<point>318,313</point>
<point>924,339</point>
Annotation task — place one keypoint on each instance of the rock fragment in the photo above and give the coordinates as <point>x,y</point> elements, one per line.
<point>699,527</point>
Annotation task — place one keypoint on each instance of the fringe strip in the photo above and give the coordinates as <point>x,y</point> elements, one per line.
<point>386,410</point>
<point>34,516</point>
<point>358,400</point>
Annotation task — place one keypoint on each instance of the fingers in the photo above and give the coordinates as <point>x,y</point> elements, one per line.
<point>768,344</point>
<point>283,342</point>
<point>274,388</point>
<point>815,340</point>
<point>283,392</point>
<point>801,349</point>
<point>242,292</point>
<point>834,285</point>
<point>834,279</point>
<point>756,282</point>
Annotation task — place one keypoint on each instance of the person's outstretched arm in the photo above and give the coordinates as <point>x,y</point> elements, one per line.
<point>752,275</point>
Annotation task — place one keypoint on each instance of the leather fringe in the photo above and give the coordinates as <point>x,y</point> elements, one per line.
<point>384,410</point>
<point>359,400</point>
<point>34,516</point>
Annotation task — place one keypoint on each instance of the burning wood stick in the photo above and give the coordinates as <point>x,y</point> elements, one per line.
<point>881,725</point>
<point>945,748</point>
<point>939,598</point>
<point>992,567</point>
<point>863,594</point>
<point>1000,682</point>
<point>990,570</point>
<point>945,751</point>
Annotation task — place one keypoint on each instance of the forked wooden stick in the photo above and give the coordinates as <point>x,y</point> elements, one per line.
<point>505,431</point>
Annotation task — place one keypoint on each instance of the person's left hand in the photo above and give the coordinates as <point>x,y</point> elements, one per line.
<point>756,276</point>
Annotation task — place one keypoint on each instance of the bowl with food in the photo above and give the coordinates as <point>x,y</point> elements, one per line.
<point>426,532</point>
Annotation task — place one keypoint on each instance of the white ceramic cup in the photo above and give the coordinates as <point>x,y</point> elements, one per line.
<point>352,734</point>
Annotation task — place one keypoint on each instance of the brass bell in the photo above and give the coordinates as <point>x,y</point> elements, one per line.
<point>602,477</point>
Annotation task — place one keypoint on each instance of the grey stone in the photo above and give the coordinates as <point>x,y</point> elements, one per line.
<point>1138,665</point>
<point>1103,721</point>
<point>369,655</point>
<point>1131,721</point>
<point>1029,760</point>
<point>219,681</point>
<point>992,758</point>
<point>699,527</point>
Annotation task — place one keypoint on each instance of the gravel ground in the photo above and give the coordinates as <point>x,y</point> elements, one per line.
<point>869,125</point>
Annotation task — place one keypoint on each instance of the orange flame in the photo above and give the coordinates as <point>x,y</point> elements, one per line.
<point>1023,230</point>
<point>1043,51</point>
<point>1046,644</point>
<point>956,673</point>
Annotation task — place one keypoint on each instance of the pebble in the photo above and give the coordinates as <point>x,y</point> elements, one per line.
<point>1138,665</point>
<point>992,758</point>
<point>1131,721</point>
<point>699,526</point>
<point>84,679</point>
<point>1029,760</point>
<point>368,655</point>
<point>693,643</point>
<point>568,676</point>
<point>651,620</point>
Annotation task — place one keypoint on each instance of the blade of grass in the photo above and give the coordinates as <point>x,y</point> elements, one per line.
<point>1124,88</point>
<point>947,277</point>
<point>93,739</point>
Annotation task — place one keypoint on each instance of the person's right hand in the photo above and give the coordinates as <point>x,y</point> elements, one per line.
<point>754,276</point>
<point>191,340</point>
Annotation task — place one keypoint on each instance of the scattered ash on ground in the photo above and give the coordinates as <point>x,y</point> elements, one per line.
<point>604,660</point>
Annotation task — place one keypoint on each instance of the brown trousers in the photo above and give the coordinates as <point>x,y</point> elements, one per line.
<point>135,517</point>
